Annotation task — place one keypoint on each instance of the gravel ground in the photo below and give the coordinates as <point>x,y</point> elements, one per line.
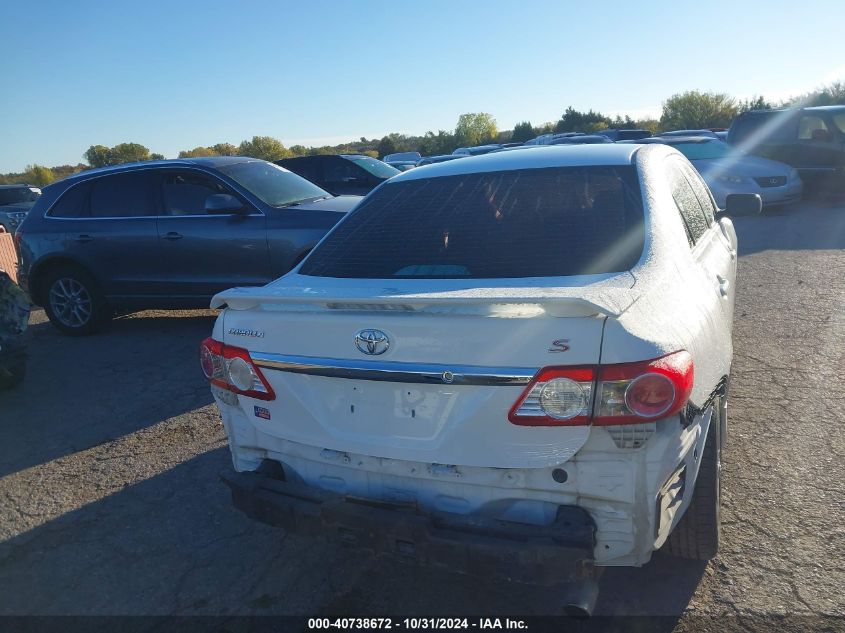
<point>110,499</point>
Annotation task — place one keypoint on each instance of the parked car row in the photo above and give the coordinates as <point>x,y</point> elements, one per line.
<point>174,233</point>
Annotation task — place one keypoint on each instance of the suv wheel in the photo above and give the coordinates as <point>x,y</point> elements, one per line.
<point>73,302</point>
<point>697,534</point>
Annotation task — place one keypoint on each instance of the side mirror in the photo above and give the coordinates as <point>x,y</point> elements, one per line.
<point>222,203</point>
<point>739,205</point>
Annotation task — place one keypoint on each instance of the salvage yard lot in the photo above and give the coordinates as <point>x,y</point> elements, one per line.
<point>111,503</point>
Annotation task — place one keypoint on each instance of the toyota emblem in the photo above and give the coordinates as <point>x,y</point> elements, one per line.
<point>372,342</point>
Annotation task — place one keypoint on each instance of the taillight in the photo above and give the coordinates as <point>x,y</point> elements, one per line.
<point>629,393</point>
<point>625,393</point>
<point>557,396</point>
<point>232,368</point>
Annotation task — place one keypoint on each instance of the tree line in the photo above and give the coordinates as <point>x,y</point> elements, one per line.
<point>688,110</point>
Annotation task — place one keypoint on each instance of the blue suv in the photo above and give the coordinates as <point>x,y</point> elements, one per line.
<point>166,234</point>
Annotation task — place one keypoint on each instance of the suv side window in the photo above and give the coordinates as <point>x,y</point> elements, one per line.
<point>185,192</point>
<point>813,128</point>
<point>73,203</point>
<point>687,203</point>
<point>702,194</point>
<point>128,195</point>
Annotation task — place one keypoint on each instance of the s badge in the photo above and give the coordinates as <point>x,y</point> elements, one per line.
<point>560,345</point>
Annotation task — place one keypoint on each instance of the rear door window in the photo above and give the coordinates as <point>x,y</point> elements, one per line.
<point>523,223</point>
<point>128,195</point>
<point>687,203</point>
<point>702,193</point>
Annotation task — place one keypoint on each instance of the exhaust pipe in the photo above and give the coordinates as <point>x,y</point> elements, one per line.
<point>581,598</point>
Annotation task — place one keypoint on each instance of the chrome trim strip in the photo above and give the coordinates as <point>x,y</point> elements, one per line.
<point>387,371</point>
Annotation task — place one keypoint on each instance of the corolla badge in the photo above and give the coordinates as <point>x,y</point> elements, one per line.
<point>241,332</point>
<point>372,342</point>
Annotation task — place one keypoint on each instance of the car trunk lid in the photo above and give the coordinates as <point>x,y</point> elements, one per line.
<point>439,389</point>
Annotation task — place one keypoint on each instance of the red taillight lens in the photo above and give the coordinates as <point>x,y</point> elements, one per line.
<point>232,368</point>
<point>625,393</point>
<point>629,393</point>
<point>557,396</point>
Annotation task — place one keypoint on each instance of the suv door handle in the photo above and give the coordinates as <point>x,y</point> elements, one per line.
<point>724,285</point>
<point>83,237</point>
<point>172,236</point>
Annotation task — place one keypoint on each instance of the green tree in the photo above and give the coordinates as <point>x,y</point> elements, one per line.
<point>435,144</point>
<point>475,128</point>
<point>263,147</point>
<point>832,94</point>
<point>38,175</point>
<point>652,125</point>
<point>225,149</point>
<point>128,153</point>
<point>197,152</point>
<point>574,121</point>
<point>97,155</point>
<point>386,146</point>
<point>298,150</point>
<point>522,132</point>
<point>694,109</point>
<point>755,103</point>
<point>156,156</point>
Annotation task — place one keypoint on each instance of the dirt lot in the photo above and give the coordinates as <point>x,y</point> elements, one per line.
<point>110,501</point>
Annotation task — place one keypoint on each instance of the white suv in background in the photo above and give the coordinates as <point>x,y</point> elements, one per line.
<point>513,365</point>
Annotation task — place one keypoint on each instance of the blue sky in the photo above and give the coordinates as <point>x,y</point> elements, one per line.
<point>176,74</point>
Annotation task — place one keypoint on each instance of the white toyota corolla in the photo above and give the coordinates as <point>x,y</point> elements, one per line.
<point>512,365</point>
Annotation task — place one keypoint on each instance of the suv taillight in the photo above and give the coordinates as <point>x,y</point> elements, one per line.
<point>231,368</point>
<point>625,393</point>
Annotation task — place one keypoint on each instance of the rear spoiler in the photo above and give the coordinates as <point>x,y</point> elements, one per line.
<point>582,301</point>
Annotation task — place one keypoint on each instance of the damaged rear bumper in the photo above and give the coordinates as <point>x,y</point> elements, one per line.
<point>540,555</point>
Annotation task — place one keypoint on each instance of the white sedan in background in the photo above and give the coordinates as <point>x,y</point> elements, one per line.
<point>512,365</point>
<point>728,170</point>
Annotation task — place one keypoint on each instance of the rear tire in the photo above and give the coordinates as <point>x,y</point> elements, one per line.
<point>73,302</point>
<point>697,535</point>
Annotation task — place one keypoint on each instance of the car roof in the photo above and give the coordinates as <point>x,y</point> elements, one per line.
<point>545,156</point>
<point>794,110</point>
<point>209,162</point>
<point>671,140</point>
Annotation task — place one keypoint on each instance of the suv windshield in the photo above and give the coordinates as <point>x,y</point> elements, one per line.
<point>271,184</point>
<point>375,167</point>
<point>702,151</point>
<point>524,223</point>
<point>17,195</point>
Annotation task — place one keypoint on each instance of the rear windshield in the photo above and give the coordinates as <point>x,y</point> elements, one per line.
<point>523,223</point>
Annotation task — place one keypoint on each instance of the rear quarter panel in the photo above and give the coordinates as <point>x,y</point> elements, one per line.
<point>677,309</point>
